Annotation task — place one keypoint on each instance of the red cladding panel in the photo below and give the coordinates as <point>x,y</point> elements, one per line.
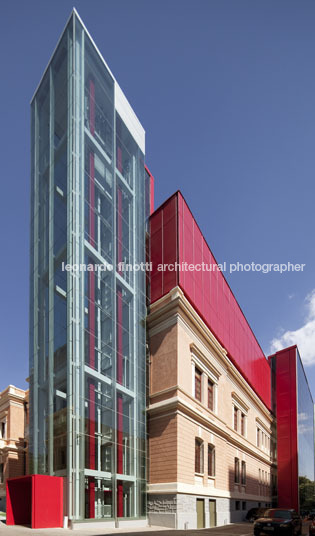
<point>287,442</point>
<point>92,199</point>
<point>47,502</point>
<point>35,500</point>
<point>175,236</point>
<point>151,195</point>
<point>91,309</point>
<point>119,330</point>
<point>120,499</point>
<point>120,504</point>
<point>91,424</point>
<point>91,497</point>
<point>151,190</point>
<point>164,244</point>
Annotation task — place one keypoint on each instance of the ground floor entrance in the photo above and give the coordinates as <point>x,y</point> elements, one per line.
<point>212,513</point>
<point>200,513</point>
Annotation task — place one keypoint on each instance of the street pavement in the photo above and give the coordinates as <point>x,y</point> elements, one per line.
<point>239,529</point>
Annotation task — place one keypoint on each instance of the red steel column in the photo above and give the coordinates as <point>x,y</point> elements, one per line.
<point>91,498</point>
<point>120,508</point>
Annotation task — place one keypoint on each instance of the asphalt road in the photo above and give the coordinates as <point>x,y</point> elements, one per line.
<point>241,529</point>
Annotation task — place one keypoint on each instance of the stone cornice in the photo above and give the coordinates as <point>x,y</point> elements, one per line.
<point>195,489</point>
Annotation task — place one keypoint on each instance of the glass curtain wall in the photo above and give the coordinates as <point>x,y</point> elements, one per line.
<point>87,326</point>
<point>305,420</point>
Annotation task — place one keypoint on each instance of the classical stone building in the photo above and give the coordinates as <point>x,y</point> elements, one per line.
<point>211,454</point>
<point>13,436</point>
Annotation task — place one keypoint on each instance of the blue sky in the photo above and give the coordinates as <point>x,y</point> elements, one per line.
<point>226,92</point>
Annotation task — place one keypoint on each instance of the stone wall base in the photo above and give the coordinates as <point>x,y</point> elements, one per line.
<point>179,511</point>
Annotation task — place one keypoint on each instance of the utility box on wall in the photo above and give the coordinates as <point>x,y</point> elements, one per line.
<point>35,500</point>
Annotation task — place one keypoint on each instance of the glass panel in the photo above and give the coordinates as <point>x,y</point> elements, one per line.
<point>98,498</point>
<point>305,439</point>
<point>98,100</point>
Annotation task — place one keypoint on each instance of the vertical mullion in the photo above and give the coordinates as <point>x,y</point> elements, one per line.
<point>35,292</point>
<point>70,277</point>
<point>50,375</point>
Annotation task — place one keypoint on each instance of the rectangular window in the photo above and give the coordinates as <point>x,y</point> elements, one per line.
<point>210,395</point>
<point>1,473</point>
<point>235,418</point>
<point>2,430</point>
<point>244,505</point>
<point>211,460</point>
<point>243,417</point>
<point>198,456</point>
<point>258,437</point>
<point>236,471</point>
<point>243,473</point>
<point>198,376</point>
<point>237,505</point>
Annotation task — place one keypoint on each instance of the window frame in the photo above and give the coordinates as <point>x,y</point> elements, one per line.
<point>211,389</point>
<point>235,418</point>
<point>3,429</point>
<point>211,460</point>
<point>243,424</point>
<point>199,456</point>
<point>236,470</point>
<point>243,473</point>
<point>209,374</point>
<point>198,382</point>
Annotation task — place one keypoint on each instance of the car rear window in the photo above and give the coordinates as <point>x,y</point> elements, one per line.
<point>282,514</point>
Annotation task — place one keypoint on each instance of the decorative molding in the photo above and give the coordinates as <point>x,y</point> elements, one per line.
<point>203,490</point>
<point>239,402</point>
<point>202,359</point>
<point>262,425</point>
<point>179,406</point>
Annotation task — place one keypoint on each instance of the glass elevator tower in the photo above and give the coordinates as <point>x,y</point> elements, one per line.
<point>87,327</point>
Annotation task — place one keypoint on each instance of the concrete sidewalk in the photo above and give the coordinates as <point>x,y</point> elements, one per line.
<point>17,530</point>
<point>240,529</point>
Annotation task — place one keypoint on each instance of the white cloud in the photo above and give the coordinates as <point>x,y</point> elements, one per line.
<point>304,336</point>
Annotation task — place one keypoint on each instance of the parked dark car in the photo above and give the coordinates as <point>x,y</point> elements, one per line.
<point>278,521</point>
<point>254,513</point>
<point>312,528</point>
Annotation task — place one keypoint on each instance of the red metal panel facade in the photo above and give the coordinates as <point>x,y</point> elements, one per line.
<point>151,195</point>
<point>47,507</point>
<point>35,500</point>
<point>164,245</point>
<point>176,237</point>
<point>287,437</point>
<point>19,501</point>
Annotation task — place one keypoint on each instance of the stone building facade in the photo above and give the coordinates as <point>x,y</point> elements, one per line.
<point>13,436</point>
<point>211,455</point>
